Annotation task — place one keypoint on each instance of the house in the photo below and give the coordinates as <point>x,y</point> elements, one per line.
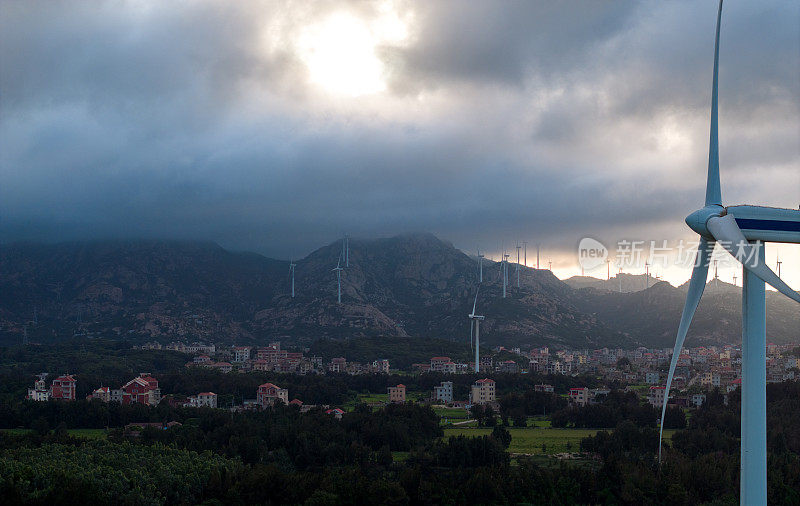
<point>543,388</point>
<point>142,389</point>
<point>39,392</point>
<point>102,393</point>
<point>397,394</point>
<point>201,359</point>
<point>656,396</point>
<point>442,364</point>
<point>579,396</point>
<point>202,400</point>
<point>338,364</point>
<point>336,412</point>
<point>443,392</point>
<point>733,385</point>
<point>63,388</point>
<point>381,366</point>
<point>698,400</point>
<point>241,354</point>
<point>508,366</point>
<point>652,377</point>
<point>483,391</point>
<point>296,402</point>
<point>269,393</point>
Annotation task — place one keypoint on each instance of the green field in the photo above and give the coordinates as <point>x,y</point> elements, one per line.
<point>529,441</point>
<point>82,433</point>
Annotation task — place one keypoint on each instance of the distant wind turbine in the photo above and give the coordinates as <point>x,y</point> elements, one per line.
<point>480,267</point>
<point>741,230</point>
<point>517,269</point>
<point>476,321</point>
<point>291,273</point>
<point>525,250</point>
<point>338,270</point>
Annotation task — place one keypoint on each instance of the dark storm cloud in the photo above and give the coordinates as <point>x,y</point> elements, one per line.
<point>547,120</point>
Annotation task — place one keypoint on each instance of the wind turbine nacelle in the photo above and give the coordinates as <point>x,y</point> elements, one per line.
<point>767,224</point>
<point>698,219</point>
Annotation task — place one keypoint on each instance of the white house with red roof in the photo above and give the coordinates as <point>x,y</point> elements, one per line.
<point>268,394</point>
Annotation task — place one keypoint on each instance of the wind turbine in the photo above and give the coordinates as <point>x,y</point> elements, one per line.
<point>291,273</point>
<point>619,277</point>
<point>338,270</point>
<point>517,269</point>
<point>505,272</point>
<point>480,267</point>
<point>476,320</point>
<point>525,250</point>
<point>740,230</point>
<point>646,275</point>
<point>778,261</point>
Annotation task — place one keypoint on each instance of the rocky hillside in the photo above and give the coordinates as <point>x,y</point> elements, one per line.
<point>408,285</point>
<point>412,285</point>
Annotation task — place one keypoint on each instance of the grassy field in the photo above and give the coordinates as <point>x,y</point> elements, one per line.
<point>82,433</point>
<point>530,441</point>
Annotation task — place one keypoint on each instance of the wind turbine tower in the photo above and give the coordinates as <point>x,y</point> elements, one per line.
<point>537,257</point>
<point>476,321</point>
<point>518,247</point>
<point>291,273</point>
<point>480,267</point>
<point>742,231</point>
<point>504,267</point>
<point>646,275</point>
<point>619,277</point>
<point>338,270</point>
<point>778,261</point>
<point>525,250</point>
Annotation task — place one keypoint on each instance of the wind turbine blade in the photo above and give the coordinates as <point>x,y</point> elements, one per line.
<point>470,333</point>
<point>730,236</point>
<point>696,287</point>
<point>474,304</point>
<point>713,192</point>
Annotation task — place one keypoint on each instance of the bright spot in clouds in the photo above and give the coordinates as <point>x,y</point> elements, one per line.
<point>340,55</point>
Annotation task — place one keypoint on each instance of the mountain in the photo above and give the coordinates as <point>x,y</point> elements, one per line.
<point>651,316</point>
<point>622,282</point>
<point>411,285</point>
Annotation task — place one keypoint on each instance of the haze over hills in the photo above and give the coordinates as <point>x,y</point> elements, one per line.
<point>622,282</point>
<point>411,285</point>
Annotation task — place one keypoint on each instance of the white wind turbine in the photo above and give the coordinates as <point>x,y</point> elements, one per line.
<point>517,269</point>
<point>338,270</point>
<point>480,267</point>
<point>291,273</point>
<point>741,230</point>
<point>476,321</point>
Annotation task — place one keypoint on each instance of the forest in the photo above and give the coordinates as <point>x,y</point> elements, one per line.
<point>283,456</point>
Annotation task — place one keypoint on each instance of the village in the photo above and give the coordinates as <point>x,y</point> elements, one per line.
<point>642,371</point>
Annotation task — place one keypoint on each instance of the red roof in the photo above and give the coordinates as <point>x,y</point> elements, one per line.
<point>400,385</point>
<point>269,385</point>
<point>440,358</point>
<point>66,377</point>
<point>206,393</point>
<point>485,380</point>
<point>297,402</point>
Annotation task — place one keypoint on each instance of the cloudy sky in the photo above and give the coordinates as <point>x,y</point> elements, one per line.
<point>276,126</point>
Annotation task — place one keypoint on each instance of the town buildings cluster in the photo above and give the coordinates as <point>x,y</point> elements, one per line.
<point>270,358</point>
